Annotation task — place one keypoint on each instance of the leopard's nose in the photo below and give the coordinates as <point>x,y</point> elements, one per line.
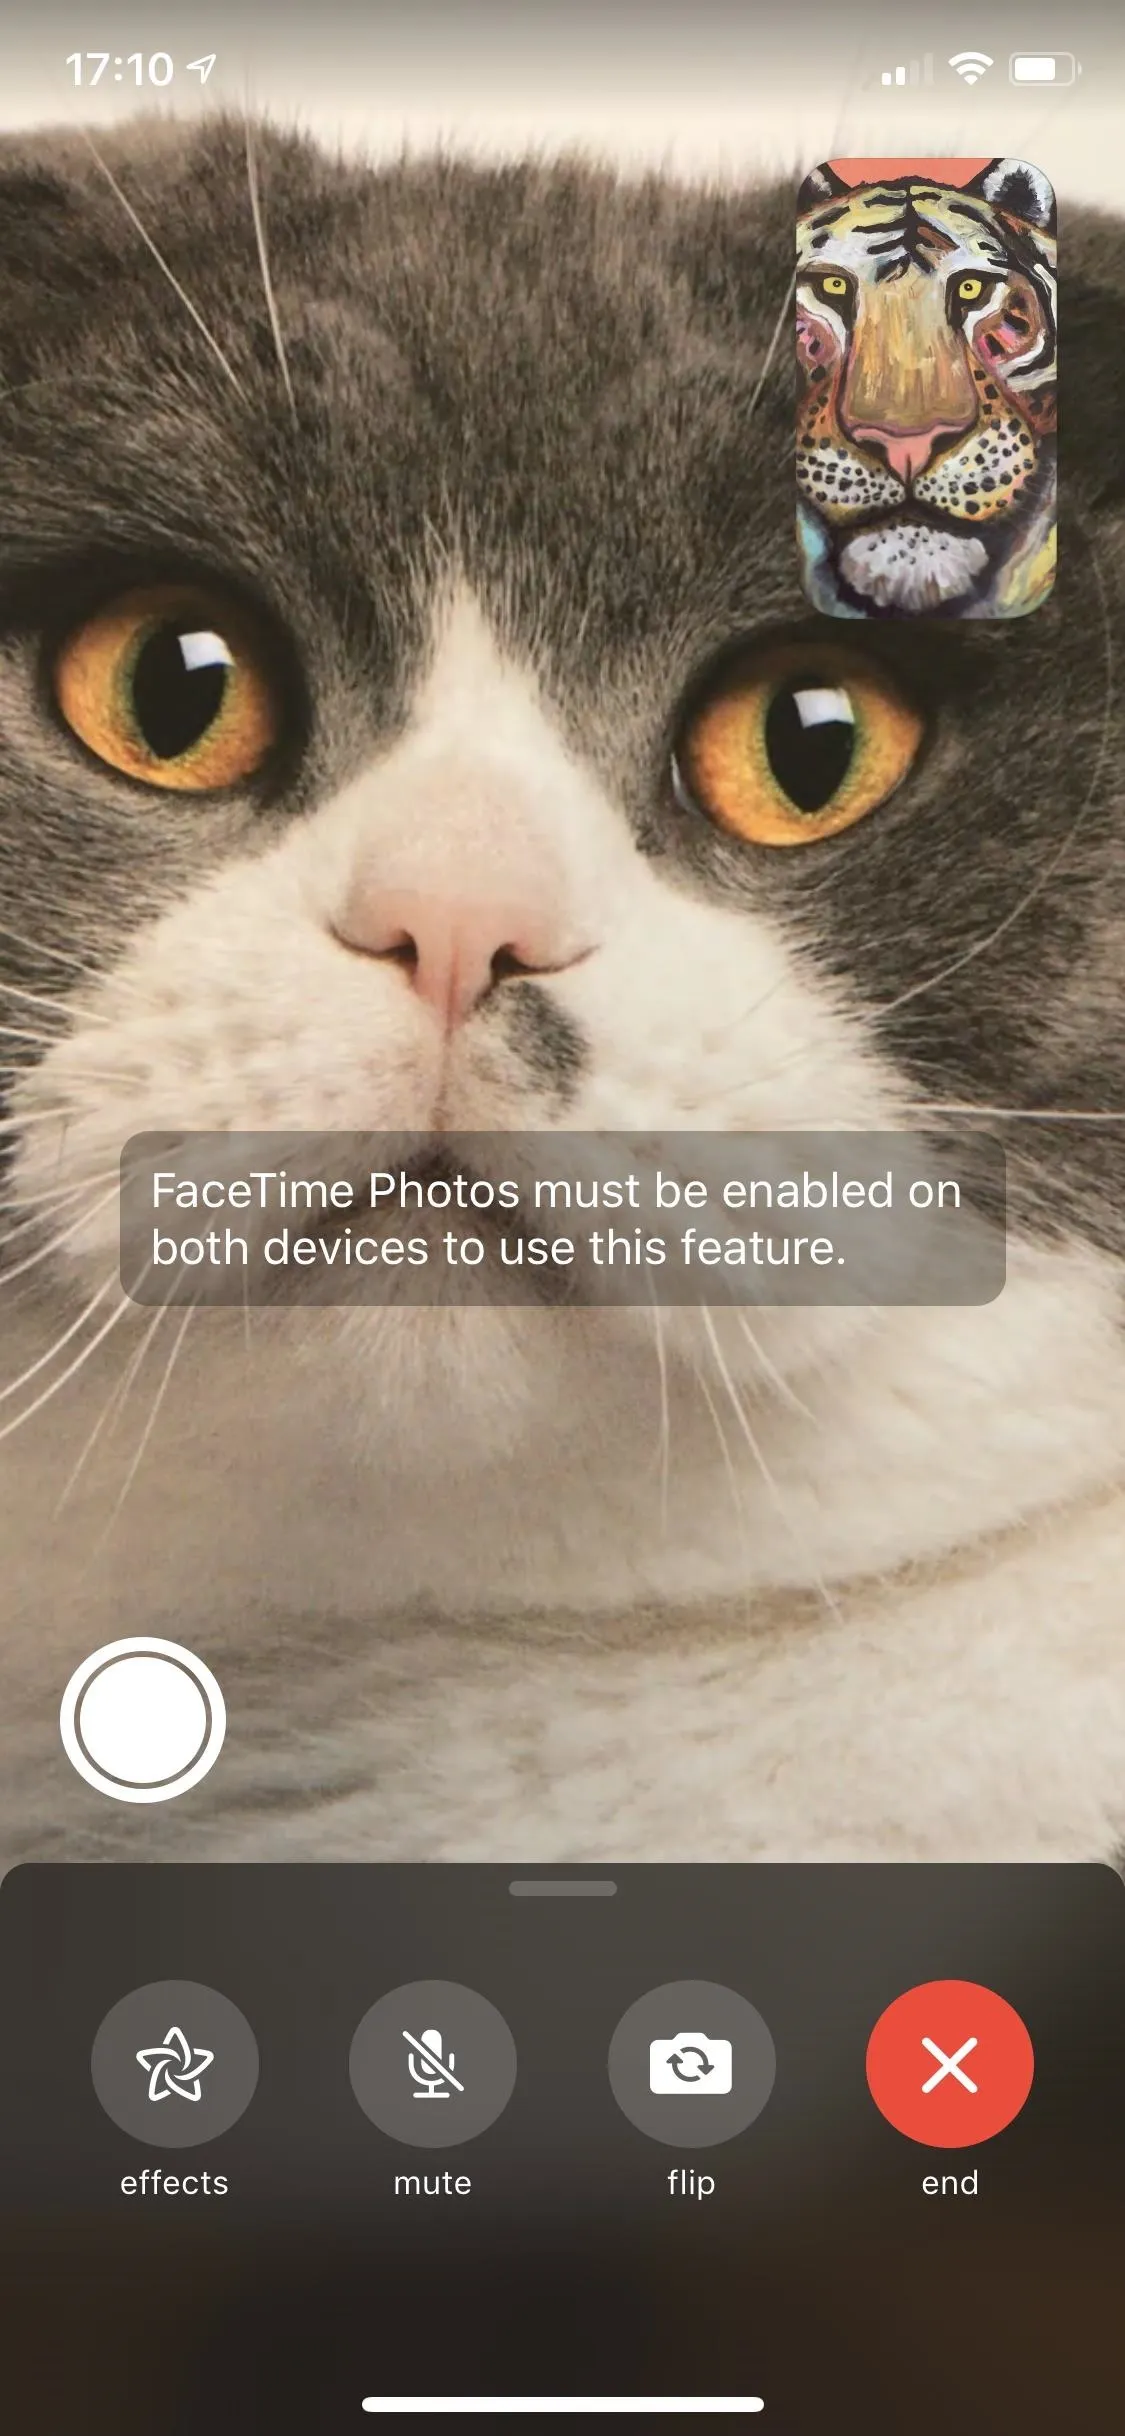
<point>908,453</point>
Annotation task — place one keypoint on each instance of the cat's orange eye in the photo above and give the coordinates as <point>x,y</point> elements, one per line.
<point>169,684</point>
<point>797,745</point>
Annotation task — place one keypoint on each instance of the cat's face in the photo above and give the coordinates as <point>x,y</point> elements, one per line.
<point>424,727</point>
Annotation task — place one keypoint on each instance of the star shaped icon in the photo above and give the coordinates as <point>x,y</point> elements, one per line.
<point>175,2069</point>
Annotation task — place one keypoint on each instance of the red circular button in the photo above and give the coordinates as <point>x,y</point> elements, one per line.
<point>950,2064</point>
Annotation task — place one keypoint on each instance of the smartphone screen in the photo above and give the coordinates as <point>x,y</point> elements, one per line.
<point>562,1402</point>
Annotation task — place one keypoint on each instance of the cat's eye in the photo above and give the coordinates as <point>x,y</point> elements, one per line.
<point>170,684</point>
<point>968,290</point>
<point>796,744</point>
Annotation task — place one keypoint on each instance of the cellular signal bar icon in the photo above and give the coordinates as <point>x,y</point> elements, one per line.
<point>913,72</point>
<point>971,65</point>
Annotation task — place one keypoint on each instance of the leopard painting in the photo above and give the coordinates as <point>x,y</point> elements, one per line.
<point>926,414</point>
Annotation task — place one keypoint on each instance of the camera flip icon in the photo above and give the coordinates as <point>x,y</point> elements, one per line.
<point>690,2065</point>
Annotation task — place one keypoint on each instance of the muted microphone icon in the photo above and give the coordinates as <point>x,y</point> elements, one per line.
<point>429,2066</point>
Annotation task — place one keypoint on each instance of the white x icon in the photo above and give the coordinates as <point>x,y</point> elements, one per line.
<point>949,2064</point>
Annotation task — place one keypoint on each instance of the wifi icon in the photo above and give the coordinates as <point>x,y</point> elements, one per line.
<point>971,65</point>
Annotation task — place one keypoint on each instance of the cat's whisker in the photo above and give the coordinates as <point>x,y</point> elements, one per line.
<point>28,1208</point>
<point>150,1425</point>
<point>788,1524</point>
<point>664,1442</point>
<point>58,1192</point>
<point>41,1116</point>
<point>113,1406</point>
<point>263,258</point>
<point>55,955</point>
<point>169,274</point>
<point>60,1007</point>
<point>44,1359</point>
<point>780,325</point>
<point>1055,861</point>
<point>18,1237</point>
<point>746,1014</point>
<point>728,1464</point>
<point>115,1078</point>
<point>9,1276</point>
<point>40,1040</point>
<point>758,1076</point>
<point>1027,1116</point>
<point>770,1370</point>
<point>71,1371</point>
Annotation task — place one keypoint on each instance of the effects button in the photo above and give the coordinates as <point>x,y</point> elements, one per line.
<point>175,2064</point>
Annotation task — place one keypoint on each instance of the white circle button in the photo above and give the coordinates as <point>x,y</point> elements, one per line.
<point>143,1720</point>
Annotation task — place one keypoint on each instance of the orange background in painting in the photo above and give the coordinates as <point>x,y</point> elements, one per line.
<point>945,173</point>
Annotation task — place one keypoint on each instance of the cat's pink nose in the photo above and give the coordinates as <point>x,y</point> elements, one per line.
<point>907,452</point>
<point>453,952</point>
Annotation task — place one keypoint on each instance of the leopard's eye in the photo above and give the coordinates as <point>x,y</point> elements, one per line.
<point>833,288</point>
<point>169,684</point>
<point>973,288</point>
<point>797,743</point>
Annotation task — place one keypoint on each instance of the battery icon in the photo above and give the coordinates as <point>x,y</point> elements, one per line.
<point>1043,68</point>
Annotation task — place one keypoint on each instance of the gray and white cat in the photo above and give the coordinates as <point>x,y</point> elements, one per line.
<point>492,466</point>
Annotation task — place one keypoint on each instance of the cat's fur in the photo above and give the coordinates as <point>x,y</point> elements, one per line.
<point>490,1584</point>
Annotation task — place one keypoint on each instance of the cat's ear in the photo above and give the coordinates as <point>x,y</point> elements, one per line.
<point>820,186</point>
<point>1019,190</point>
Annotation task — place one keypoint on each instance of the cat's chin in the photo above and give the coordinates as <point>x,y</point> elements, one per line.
<point>457,1384</point>
<point>453,1391</point>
